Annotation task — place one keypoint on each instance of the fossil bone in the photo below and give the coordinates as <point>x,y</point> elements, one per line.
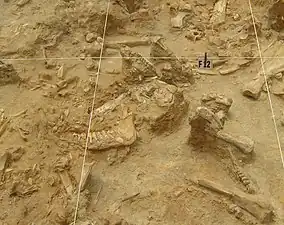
<point>245,144</point>
<point>135,67</point>
<point>243,178</point>
<point>219,12</point>
<point>129,43</point>
<point>255,205</point>
<point>87,171</point>
<point>253,88</point>
<point>123,134</point>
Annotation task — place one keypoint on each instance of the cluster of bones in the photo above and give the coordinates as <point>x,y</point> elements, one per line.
<point>157,91</point>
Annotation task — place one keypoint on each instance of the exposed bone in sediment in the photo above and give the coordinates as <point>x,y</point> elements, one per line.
<point>176,72</point>
<point>66,181</point>
<point>135,67</point>
<point>110,105</point>
<point>255,205</point>
<point>245,144</point>
<point>206,72</point>
<point>215,124</point>
<point>4,127</point>
<point>217,102</point>
<point>87,171</point>
<point>241,176</point>
<point>161,105</point>
<point>219,12</point>
<point>130,43</point>
<point>259,208</point>
<point>124,134</point>
<point>242,215</point>
<point>229,70</point>
<point>204,126</point>
<point>176,109</point>
<point>253,88</point>
<point>4,160</point>
<point>178,20</point>
<point>174,69</point>
<point>161,51</point>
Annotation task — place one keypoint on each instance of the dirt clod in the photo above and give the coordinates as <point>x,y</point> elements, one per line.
<point>8,75</point>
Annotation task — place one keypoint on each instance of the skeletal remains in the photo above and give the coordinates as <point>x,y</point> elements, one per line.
<point>135,67</point>
<point>256,206</point>
<point>123,134</point>
<point>174,70</point>
<point>272,67</point>
<point>207,131</point>
<point>210,118</point>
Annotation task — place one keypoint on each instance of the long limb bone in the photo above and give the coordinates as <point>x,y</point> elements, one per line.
<point>245,144</point>
<point>259,208</point>
<point>253,88</point>
<point>129,43</point>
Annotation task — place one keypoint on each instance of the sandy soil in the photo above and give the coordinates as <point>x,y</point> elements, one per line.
<point>143,163</point>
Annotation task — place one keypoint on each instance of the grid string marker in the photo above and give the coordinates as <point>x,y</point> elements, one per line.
<point>91,116</point>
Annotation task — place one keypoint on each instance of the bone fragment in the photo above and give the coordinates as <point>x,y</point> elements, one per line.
<point>129,43</point>
<point>219,62</point>
<point>254,87</point>
<point>260,209</point>
<point>65,178</point>
<point>22,2</point>
<point>177,22</point>
<point>207,72</point>
<point>219,12</point>
<point>4,127</point>
<point>87,171</point>
<point>4,158</point>
<point>61,72</point>
<point>245,144</point>
<point>241,175</point>
<point>110,105</point>
<point>232,69</point>
<point>124,134</point>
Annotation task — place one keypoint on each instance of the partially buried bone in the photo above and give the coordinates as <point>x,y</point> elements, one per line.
<point>161,105</point>
<point>129,43</point>
<point>206,123</point>
<point>272,67</point>
<point>87,171</point>
<point>110,105</point>
<point>178,21</point>
<point>159,51</point>
<point>218,104</point>
<point>240,174</point>
<point>204,127</point>
<point>123,134</point>
<point>208,120</point>
<point>255,205</point>
<point>174,70</point>
<point>135,67</point>
<point>245,144</point>
<point>219,12</point>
